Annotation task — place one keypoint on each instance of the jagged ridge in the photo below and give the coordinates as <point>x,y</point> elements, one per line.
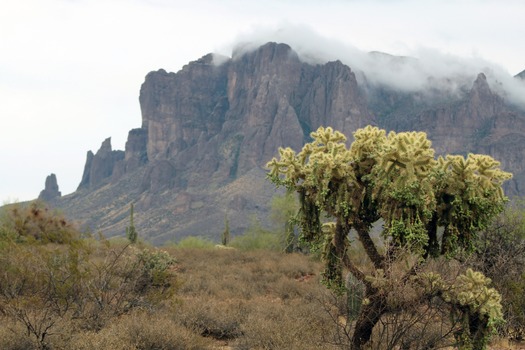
<point>208,129</point>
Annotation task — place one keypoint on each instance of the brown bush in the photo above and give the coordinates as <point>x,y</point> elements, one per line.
<point>34,222</point>
<point>83,285</point>
<point>13,336</point>
<point>213,318</point>
<point>232,274</point>
<point>297,325</point>
<point>141,331</point>
<point>254,300</point>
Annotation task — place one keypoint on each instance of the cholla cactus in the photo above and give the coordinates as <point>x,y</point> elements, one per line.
<point>469,195</point>
<point>403,187</point>
<point>156,268</point>
<point>477,307</point>
<point>473,305</point>
<point>472,290</point>
<point>396,178</point>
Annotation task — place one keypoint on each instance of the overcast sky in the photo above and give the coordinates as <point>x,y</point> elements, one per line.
<point>71,70</point>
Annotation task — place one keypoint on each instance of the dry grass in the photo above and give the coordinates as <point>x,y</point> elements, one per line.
<point>253,300</point>
<point>227,299</point>
<point>141,331</point>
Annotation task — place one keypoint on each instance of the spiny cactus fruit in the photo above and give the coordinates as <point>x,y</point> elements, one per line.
<point>410,154</point>
<point>326,135</point>
<point>367,142</point>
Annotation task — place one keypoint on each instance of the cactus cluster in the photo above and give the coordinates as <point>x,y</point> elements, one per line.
<point>470,194</point>
<point>473,305</point>
<point>404,188</point>
<point>471,290</point>
<point>396,178</point>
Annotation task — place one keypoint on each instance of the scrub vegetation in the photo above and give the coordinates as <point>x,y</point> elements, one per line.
<point>375,246</point>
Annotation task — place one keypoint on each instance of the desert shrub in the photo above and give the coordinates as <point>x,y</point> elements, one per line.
<point>244,297</point>
<point>141,331</point>
<point>38,287</point>
<point>195,242</point>
<point>212,318</point>
<point>242,274</point>
<point>108,294</point>
<point>13,336</point>
<point>84,283</point>
<point>200,270</point>
<point>296,265</point>
<point>34,222</point>
<point>500,255</point>
<point>257,237</point>
<point>285,288</point>
<point>282,214</point>
<point>257,240</point>
<point>271,326</point>
<point>428,328</point>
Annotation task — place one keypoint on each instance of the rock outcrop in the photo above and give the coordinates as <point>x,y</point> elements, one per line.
<point>220,121</point>
<point>208,130</point>
<point>100,166</point>
<point>50,191</point>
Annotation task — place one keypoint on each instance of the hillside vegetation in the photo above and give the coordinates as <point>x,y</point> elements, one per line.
<point>86,293</point>
<point>60,289</point>
<point>445,271</point>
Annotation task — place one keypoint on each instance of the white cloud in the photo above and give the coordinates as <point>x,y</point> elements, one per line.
<point>425,67</point>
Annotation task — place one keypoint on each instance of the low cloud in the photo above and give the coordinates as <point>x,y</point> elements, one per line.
<point>423,69</point>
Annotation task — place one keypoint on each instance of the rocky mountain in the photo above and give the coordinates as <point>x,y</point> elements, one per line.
<point>208,130</point>
<point>50,191</point>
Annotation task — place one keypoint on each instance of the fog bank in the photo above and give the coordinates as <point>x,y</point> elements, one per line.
<point>423,69</point>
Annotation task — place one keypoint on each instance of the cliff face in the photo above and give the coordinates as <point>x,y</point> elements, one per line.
<point>221,121</point>
<point>208,130</point>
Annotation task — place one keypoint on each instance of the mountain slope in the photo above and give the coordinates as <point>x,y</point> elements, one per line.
<point>208,130</point>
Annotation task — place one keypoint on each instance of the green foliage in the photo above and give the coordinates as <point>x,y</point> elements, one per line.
<point>257,238</point>
<point>283,211</point>
<point>225,239</point>
<point>411,234</point>
<point>131,232</point>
